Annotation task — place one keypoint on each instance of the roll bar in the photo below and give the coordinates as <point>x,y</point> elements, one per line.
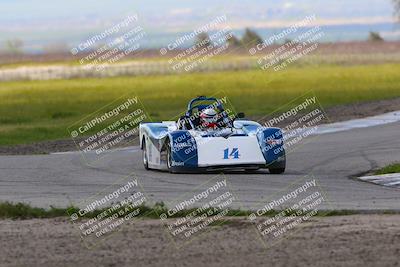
<point>202,98</point>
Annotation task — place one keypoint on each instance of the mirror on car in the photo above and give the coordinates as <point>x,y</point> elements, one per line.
<point>240,115</point>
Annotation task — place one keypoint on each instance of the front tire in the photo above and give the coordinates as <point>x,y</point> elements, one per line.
<point>144,155</point>
<point>169,156</point>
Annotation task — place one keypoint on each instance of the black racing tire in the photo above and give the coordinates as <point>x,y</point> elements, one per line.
<point>144,155</point>
<point>277,170</point>
<point>169,157</point>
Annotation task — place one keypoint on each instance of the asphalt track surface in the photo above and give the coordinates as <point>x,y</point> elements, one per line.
<point>332,158</point>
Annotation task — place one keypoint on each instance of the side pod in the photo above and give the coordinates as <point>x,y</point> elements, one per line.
<point>183,151</point>
<point>272,147</point>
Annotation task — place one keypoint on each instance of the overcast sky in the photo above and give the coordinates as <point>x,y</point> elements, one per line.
<point>45,21</point>
<point>181,14</point>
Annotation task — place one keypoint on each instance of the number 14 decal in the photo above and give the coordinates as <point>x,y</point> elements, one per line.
<point>234,154</point>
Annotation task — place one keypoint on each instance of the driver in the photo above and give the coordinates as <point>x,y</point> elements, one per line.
<point>208,119</point>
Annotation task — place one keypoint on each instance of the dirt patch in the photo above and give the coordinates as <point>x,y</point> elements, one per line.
<point>361,110</point>
<point>359,240</point>
<point>335,114</point>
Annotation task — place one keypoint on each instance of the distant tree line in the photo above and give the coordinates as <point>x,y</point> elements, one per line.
<point>249,38</point>
<point>252,38</point>
<point>375,36</point>
<point>14,46</point>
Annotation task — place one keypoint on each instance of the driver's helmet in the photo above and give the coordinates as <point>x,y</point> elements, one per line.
<point>209,118</point>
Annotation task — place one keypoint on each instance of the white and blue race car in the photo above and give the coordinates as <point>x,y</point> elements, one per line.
<point>232,143</point>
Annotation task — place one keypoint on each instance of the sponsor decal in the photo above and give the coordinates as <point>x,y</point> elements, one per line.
<point>177,163</point>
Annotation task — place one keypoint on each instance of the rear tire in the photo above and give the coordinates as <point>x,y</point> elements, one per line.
<point>277,171</point>
<point>144,155</point>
